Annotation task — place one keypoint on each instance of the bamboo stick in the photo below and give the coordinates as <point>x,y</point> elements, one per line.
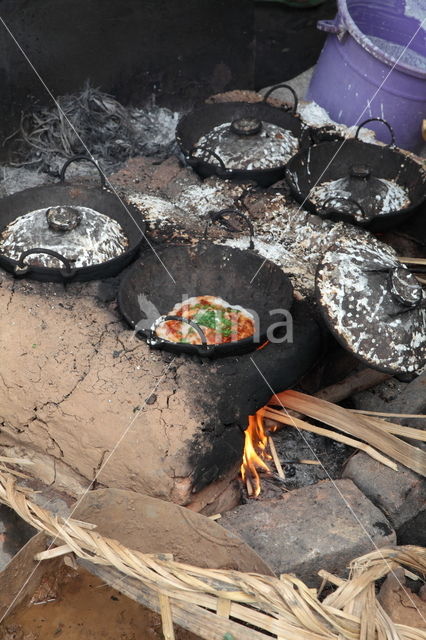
<point>275,458</point>
<point>389,414</point>
<point>357,425</point>
<point>166,617</point>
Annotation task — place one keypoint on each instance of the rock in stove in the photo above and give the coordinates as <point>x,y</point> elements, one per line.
<point>401,495</point>
<point>323,526</point>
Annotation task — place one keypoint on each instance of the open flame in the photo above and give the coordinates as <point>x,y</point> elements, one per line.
<point>255,453</point>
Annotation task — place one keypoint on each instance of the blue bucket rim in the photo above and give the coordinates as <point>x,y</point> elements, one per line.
<point>362,39</point>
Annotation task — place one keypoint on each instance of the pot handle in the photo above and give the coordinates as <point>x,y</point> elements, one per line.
<point>326,133</point>
<point>340,216</point>
<point>284,86</point>
<point>192,158</point>
<point>217,215</point>
<point>76,159</point>
<point>392,143</point>
<point>151,334</point>
<point>22,268</point>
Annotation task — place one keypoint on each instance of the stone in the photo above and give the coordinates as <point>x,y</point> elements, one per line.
<point>400,603</point>
<point>322,526</point>
<point>394,396</point>
<point>401,494</point>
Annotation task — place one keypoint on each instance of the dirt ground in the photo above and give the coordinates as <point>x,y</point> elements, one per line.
<point>85,608</point>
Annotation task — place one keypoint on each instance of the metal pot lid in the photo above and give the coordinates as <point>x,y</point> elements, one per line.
<point>360,195</point>
<point>369,185</point>
<point>81,235</point>
<point>373,304</point>
<point>247,143</point>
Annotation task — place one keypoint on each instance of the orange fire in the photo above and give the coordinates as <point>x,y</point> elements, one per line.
<point>255,454</point>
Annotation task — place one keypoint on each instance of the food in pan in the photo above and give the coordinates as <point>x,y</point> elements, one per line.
<point>219,321</point>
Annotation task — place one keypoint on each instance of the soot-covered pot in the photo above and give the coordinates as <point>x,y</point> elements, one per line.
<point>149,292</point>
<point>68,232</point>
<point>369,185</point>
<point>242,141</point>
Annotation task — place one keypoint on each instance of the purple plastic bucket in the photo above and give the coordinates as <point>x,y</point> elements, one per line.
<point>354,79</point>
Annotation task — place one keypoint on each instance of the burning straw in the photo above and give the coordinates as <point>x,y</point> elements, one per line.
<point>371,434</point>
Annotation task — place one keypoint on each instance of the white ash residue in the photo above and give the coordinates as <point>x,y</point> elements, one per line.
<point>393,198</point>
<point>293,239</point>
<point>211,195</point>
<point>315,116</point>
<point>399,53</point>
<point>154,210</point>
<point>96,239</point>
<point>155,128</point>
<point>189,207</point>
<point>272,147</point>
<point>14,179</point>
<point>354,286</point>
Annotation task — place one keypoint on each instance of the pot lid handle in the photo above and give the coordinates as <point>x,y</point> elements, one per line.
<point>214,216</point>
<point>292,91</point>
<point>78,158</point>
<point>22,267</point>
<point>339,215</point>
<point>392,143</point>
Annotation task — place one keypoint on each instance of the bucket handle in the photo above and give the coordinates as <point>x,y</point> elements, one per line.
<point>330,26</point>
<point>392,143</point>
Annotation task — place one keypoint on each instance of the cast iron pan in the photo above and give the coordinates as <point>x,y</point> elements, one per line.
<point>147,292</point>
<point>332,160</point>
<point>98,198</point>
<point>203,119</point>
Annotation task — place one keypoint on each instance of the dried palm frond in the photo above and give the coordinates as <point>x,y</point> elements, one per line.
<point>215,603</point>
<point>373,435</point>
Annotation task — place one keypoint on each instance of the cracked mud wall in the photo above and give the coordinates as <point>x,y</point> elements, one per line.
<point>78,391</point>
<point>73,380</point>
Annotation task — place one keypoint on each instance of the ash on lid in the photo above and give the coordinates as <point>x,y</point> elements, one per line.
<point>356,291</point>
<point>272,147</point>
<point>95,239</point>
<point>390,197</point>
